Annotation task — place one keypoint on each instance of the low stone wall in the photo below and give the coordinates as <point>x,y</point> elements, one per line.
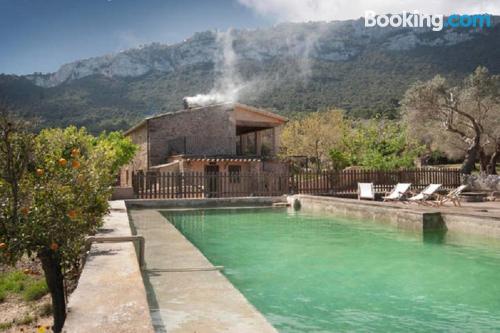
<point>408,217</point>
<point>483,182</point>
<point>204,203</point>
<point>122,193</point>
<point>401,217</point>
<point>110,296</point>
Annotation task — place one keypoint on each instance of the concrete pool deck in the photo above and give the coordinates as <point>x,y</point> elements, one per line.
<point>110,296</point>
<point>186,293</point>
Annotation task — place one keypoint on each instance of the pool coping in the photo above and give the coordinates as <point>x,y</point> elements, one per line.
<point>203,202</point>
<point>404,216</point>
<point>187,293</point>
<point>110,296</point>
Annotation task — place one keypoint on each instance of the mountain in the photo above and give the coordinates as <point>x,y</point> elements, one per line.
<point>292,67</point>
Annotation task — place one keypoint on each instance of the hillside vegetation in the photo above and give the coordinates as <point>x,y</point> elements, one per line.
<point>291,67</point>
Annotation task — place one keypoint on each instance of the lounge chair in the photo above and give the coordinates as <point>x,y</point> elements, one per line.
<point>427,192</point>
<point>453,196</point>
<point>398,192</point>
<point>365,191</point>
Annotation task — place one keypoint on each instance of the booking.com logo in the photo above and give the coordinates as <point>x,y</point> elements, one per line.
<point>435,21</point>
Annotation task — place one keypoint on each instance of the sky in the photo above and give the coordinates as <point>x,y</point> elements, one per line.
<point>41,35</point>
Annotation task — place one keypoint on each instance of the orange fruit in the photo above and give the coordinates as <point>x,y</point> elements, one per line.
<point>72,214</point>
<point>54,246</point>
<point>75,164</point>
<point>3,246</point>
<point>62,162</point>
<point>75,152</point>
<point>25,211</point>
<point>39,172</point>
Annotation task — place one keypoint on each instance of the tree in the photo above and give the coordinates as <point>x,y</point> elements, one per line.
<point>378,144</point>
<point>314,136</point>
<point>464,118</point>
<point>54,191</point>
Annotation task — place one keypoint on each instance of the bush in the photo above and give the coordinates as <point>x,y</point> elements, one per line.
<point>54,191</point>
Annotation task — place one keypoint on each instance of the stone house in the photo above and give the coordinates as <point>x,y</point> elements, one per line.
<point>229,137</point>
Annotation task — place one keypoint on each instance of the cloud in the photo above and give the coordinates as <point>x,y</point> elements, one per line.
<point>328,10</point>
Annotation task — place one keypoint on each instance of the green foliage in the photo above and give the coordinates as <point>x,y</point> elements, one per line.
<point>461,120</point>
<point>368,84</point>
<point>119,148</point>
<point>54,191</point>
<point>380,144</point>
<point>340,159</point>
<point>313,135</point>
<point>5,326</point>
<point>35,290</point>
<point>16,282</point>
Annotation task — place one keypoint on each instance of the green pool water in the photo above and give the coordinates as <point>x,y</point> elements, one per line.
<point>313,273</point>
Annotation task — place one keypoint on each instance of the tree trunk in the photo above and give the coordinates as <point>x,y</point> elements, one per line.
<point>470,158</point>
<point>51,265</point>
<point>483,161</point>
<point>492,165</point>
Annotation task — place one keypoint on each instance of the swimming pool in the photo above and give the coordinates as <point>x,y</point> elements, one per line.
<point>317,273</point>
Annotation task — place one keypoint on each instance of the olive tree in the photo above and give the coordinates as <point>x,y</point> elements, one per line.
<point>461,120</point>
<point>54,190</point>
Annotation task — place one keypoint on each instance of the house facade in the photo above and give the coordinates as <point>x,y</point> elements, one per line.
<point>230,137</point>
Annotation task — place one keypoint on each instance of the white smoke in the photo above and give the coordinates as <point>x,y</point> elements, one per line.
<point>228,83</point>
<point>327,10</point>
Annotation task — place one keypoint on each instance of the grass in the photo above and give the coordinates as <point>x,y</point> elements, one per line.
<point>45,310</point>
<point>26,320</point>
<point>5,326</point>
<point>18,283</point>
<point>35,290</point>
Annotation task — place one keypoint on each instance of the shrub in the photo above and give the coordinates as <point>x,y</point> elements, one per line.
<point>54,191</point>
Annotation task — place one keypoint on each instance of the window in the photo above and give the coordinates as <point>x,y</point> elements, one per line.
<point>234,174</point>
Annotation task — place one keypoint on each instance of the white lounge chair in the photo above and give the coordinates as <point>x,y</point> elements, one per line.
<point>398,192</point>
<point>453,196</point>
<point>365,191</point>
<point>426,193</point>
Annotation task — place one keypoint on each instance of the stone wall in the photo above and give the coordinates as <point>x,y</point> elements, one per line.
<point>213,126</point>
<point>140,138</point>
<point>482,182</point>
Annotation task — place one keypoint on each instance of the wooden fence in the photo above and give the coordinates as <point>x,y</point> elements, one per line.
<point>345,183</point>
<point>170,185</point>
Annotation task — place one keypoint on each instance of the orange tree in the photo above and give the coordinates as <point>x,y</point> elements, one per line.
<point>55,188</point>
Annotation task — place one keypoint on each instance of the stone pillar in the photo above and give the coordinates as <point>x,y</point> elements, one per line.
<point>276,140</point>
<point>243,144</point>
<point>258,143</point>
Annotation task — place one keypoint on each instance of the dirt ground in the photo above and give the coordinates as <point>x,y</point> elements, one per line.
<point>18,315</point>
